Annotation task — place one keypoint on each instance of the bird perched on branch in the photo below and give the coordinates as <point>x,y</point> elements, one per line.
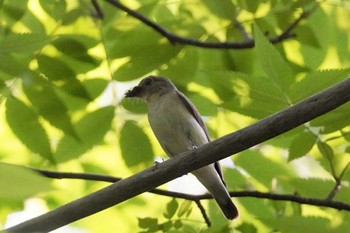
<point>178,127</point>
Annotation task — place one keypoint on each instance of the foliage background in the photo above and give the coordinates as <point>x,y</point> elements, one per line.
<point>63,73</point>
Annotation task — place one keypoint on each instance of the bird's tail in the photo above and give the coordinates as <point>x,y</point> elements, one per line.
<point>227,206</point>
<point>212,181</point>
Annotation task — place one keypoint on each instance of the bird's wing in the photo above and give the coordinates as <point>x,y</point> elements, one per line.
<point>192,109</point>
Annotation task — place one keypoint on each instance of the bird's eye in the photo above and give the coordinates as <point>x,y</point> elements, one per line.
<point>148,81</point>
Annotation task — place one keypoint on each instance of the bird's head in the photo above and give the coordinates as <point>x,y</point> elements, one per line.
<point>151,86</point>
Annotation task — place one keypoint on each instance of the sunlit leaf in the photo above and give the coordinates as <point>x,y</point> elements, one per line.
<point>224,9</point>
<point>185,207</point>
<point>254,96</point>
<point>275,67</point>
<point>325,149</point>
<point>18,182</point>
<point>301,145</point>
<point>54,9</point>
<point>171,208</point>
<point>11,66</point>
<point>261,168</point>
<point>183,67</point>
<point>312,187</point>
<point>148,223</point>
<point>135,146</point>
<point>91,129</point>
<point>24,122</point>
<point>134,105</point>
<point>48,104</point>
<point>74,49</point>
<point>95,86</point>
<point>248,228</point>
<point>23,43</point>
<point>59,72</point>
<point>300,224</point>
<point>315,82</point>
<point>335,120</point>
<point>72,15</point>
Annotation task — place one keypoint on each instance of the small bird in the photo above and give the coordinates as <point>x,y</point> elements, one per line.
<point>178,127</point>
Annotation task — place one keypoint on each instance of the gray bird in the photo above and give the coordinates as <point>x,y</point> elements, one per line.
<point>178,127</point>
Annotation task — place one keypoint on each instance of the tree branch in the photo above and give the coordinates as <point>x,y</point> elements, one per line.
<point>196,198</point>
<point>176,39</point>
<point>188,161</point>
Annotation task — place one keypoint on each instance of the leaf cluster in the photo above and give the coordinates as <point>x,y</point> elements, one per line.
<point>63,73</point>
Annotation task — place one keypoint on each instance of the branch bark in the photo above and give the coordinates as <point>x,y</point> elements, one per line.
<point>184,163</point>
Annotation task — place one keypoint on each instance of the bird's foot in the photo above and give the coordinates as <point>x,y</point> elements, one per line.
<point>156,163</point>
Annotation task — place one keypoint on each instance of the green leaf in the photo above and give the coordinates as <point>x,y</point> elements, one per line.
<point>95,86</point>
<point>55,69</point>
<point>334,120</point>
<point>171,208</point>
<point>14,10</point>
<point>135,145</point>
<point>253,96</point>
<point>325,149</point>
<point>250,6</point>
<point>307,36</point>
<point>140,52</point>
<point>19,183</point>
<point>62,75</point>
<point>256,164</point>
<point>301,145</point>
<point>258,208</point>
<point>25,124</point>
<point>166,226</point>
<point>148,223</point>
<point>71,16</point>
<point>11,66</point>
<point>218,81</point>
<point>134,105</point>
<point>312,187</point>
<point>23,43</point>
<point>48,104</point>
<point>316,81</point>
<point>74,49</point>
<point>136,66</point>
<point>55,9</point>
<point>178,224</point>
<point>184,66</point>
<point>185,208</point>
<point>224,8</point>
<point>247,228</point>
<point>91,129</point>
<point>300,224</point>
<point>204,105</point>
<point>273,64</point>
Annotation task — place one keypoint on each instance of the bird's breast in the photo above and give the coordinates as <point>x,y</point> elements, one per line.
<point>174,126</point>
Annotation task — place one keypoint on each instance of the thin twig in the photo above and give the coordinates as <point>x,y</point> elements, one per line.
<point>98,11</point>
<point>337,185</point>
<point>334,190</point>
<point>204,213</point>
<point>246,35</point>
<point>271,196</point>
<point>176,39</point>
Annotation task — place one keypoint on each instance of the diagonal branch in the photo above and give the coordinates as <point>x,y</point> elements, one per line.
<point>186,162</point>
<point>176,39</point>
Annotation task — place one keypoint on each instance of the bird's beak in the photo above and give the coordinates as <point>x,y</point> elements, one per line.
<point>135,92</point>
